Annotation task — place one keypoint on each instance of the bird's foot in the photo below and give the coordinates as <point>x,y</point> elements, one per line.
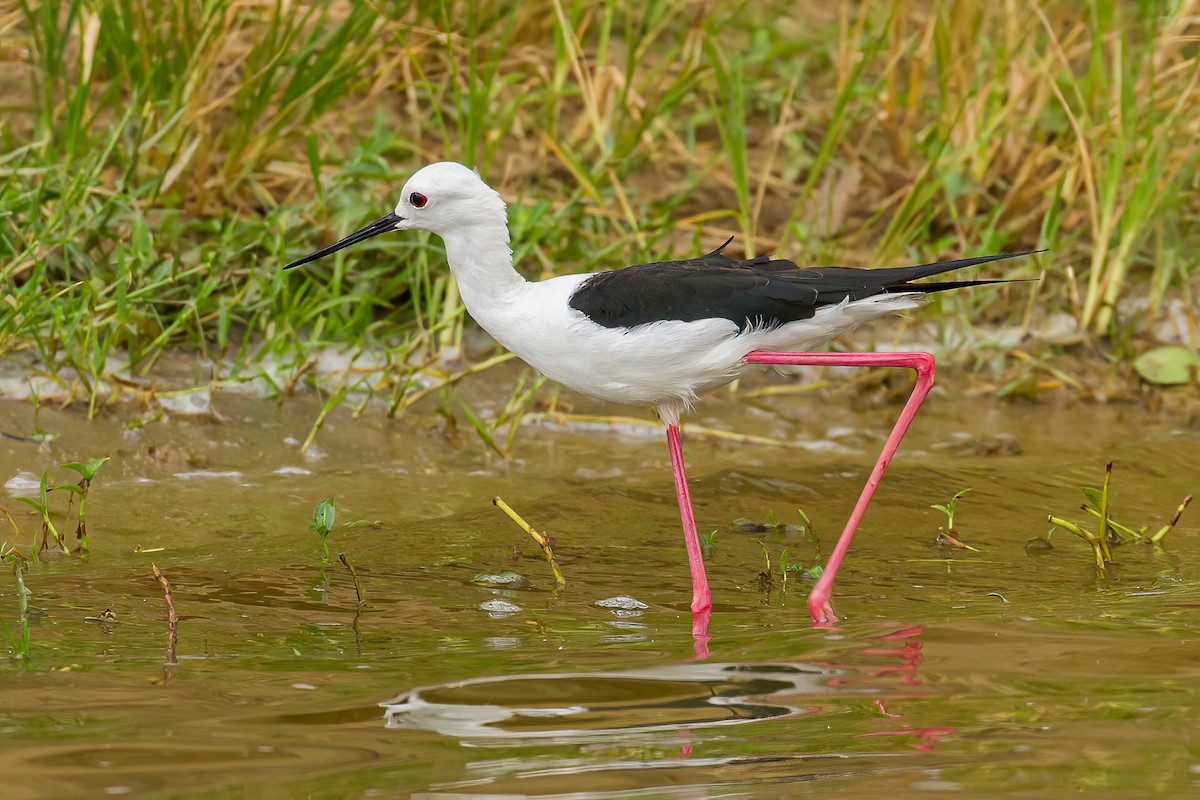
<point>821,609</point>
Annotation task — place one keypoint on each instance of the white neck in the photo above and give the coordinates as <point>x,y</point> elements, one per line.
<point>481,261</point>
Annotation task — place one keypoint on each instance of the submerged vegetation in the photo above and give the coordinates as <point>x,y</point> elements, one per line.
<point>49,537</point>
<point>1112,533</point>
<point>159,163</point>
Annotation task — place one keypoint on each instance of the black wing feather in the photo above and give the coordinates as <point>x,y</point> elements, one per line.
<point>755,292</point>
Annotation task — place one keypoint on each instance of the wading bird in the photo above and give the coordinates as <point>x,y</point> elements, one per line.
<point>660,334</point>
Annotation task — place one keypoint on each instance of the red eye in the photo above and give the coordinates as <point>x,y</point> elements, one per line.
<point>418,200</point>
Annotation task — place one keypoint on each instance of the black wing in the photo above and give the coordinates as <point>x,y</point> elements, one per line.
<point>756,292</point>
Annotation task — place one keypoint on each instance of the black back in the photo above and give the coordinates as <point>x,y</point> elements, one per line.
<point>759,292</point>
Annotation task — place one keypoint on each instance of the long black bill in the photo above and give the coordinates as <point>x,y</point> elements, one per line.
<point>384,224</point>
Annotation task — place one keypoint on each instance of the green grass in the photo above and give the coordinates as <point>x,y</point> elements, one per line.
<point>158,163</point>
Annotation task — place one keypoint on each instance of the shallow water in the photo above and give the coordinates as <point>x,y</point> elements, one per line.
<point>986,673</point>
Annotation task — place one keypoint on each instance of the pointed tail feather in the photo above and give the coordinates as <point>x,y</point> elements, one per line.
<point>905,274</point>
<point>942,286</point>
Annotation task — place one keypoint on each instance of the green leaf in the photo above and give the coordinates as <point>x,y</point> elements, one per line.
<point>1094,496</point>
<point>87,471</point>
<point>1169,365</point>
<point>323,516</point>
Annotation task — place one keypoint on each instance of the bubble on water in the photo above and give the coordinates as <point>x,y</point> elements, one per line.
<point>508,578</point>
<point>499,608</point>
<point>622,602</point>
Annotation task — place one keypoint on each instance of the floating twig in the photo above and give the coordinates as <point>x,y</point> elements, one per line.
<point>354,576</point>
<point>172,620</point>
<point>947,539</point>
<point>542,539</point>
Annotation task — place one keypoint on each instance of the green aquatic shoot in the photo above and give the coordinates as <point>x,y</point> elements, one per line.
<point>20,641</point>
<point>1104,523</point>
<point>1165,529</point>
<point>87,473</point>
<point>950,506</point>
<point>786,569</point>
<point>41,504</point>
<point>765,577</point>
<point>809,528</point>
<point>322,525</point>
<point>49,536</point>
<point>1112,532</point>
<point>1089,537</point>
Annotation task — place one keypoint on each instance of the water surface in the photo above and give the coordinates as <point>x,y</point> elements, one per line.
<point>984,673</point>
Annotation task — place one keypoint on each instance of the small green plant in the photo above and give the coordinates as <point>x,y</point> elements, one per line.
<point>322,525</point>
<point>786,569</point>
<point>1112,532</point>
<point>773,524</point>
<point>19,641</point>
<point>949,507</point>
<point>41,504</point>
<point>767,577</point>
<point>49,536</point>
<point>948,536</point>
<point>87,472</point>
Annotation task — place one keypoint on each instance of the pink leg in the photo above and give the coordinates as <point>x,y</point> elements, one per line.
<point>701,597</point>
<point>818,602</point>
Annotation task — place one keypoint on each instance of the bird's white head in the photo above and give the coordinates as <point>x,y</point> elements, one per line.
<point>445,198</point>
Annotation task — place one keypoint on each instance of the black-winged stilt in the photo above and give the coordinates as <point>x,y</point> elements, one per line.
<point>660,334</point>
